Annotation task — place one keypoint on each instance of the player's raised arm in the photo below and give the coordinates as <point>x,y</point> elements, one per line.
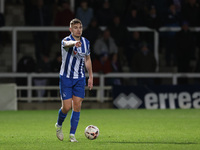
<point>67,44</point>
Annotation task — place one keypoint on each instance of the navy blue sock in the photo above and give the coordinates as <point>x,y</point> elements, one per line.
<point>61,117</point>
<point>74,121</point>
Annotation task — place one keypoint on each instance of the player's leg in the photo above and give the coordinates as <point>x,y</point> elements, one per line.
<point>62,114</point>
<point>66,96</point>
<point>78,95</point>
<point>77,102</point>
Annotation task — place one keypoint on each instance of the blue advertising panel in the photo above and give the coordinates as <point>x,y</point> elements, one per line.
<point>157,97</point>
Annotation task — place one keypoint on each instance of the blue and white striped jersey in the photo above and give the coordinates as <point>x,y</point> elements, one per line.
<point>73,59</point>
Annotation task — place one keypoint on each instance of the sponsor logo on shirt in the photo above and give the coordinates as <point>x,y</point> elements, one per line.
<point>75,52</point>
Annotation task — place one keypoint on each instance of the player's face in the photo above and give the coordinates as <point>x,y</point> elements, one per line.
<point>76,30</point>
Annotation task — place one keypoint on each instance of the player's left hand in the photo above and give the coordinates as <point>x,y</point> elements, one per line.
<point>90,83</point>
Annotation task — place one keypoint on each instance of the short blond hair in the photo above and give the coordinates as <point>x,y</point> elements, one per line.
<point>75,21</point>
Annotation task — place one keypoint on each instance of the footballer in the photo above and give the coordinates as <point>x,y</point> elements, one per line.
<point>75,51</point>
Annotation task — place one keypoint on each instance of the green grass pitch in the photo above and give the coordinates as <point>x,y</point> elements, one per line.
<point>119,130</point>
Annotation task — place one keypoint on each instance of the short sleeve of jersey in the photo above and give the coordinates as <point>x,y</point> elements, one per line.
<point>88,50</point>
<point>65,39</point>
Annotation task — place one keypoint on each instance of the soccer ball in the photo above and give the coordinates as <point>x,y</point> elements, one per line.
<point>91,132</point>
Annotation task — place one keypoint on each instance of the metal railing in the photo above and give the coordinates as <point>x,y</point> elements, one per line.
<point>101,88</point>
<point>101,94</point>
<point>15,31</point>
<point>48,97</point>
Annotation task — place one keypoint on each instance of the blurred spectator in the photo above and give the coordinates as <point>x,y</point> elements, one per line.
<point>133,46</point>
<point>2,20</point>
<point>102,66</point>
<point>84,13</point>
<point>92,32</point>
<point>185,48</point>
<point>2,23</point>
<point>105,44</point>
<point>133,19</point>
<point>144,61</point>
<point>118,31</point>
<point>63,17</point>
<point>105,14</point>
<point>191,12</point>
<point>141,4</point>
<point>153,20</point>
<point>28,7</point>
<point>94,4</point>
<point>27,65</point>
<point>161,5</point>
<point>119,6</point>
<point>171,19</point>
<point>40,16</point>
<point>43,66</point>
<point>178,5</point>
<point>116,67</point>
<point>120,34</point>
<point>55,65</point>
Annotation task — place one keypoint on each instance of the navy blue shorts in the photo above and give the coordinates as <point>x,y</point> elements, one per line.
<point>70,87</point>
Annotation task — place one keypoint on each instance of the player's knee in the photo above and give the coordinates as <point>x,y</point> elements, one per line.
<point>77,102</point>
<point>77,109</point>
<point>66,109</point>
<point>77,105</point>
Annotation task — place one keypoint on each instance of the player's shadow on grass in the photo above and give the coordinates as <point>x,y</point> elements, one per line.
<point>132,142</point>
